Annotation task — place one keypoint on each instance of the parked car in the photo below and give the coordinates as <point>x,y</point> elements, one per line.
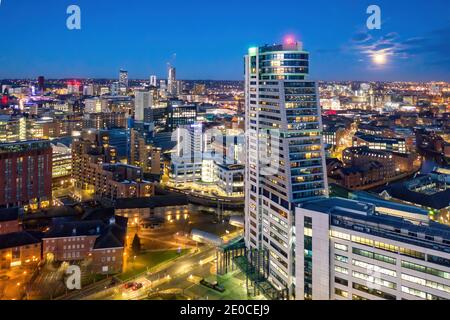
<point>214,286</point>
<point>137,286</point>
<point>129,285</point>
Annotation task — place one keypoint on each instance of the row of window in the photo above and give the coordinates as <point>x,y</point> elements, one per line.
<point>426,283</point>
<point>378,245</point>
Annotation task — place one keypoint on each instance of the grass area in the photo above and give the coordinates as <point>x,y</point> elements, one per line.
<point>234,284</point>
<point>338,191</point>
<point>92,278</point>
<point>148,261</point>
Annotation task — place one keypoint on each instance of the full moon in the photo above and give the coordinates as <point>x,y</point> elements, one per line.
<point>379,58</point>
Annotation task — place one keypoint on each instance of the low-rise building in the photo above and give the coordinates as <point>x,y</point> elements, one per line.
<point>19,248</point>
<point>348,250</point>
<point>98,237</point>
<point>380,143</point>
<point>428,191</point>
<point>137,210</point>
<point>9,220</point>
<point>230,178</point>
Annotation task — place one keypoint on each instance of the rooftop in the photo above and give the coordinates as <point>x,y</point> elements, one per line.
<point>416,191</point>
<point>9,214</point>
<point>152,202</point>
<point>24,146</point>
<point>18,239</point>
<point>362,217</point>
<point>372,138</point>
<point>109,229</point>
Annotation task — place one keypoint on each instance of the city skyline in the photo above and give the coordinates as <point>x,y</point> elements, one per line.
<point>313,167</point>
<point>110,40</point>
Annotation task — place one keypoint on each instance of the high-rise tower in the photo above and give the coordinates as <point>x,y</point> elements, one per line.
<point>285,162</point>
<point>153,80</point>
<point>172,81</point>
<point>123,78</point>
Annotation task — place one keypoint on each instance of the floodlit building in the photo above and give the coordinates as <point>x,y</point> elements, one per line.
<point>142,105</point>
<point>61,165</point>
<point>26,174</point>
<point>172,81</point>
<point>123,79</point>
<point>285,162</point>
<point>360,250</point>
<point>95,168</point>
<point>380,143</point>
<point>98,236</point>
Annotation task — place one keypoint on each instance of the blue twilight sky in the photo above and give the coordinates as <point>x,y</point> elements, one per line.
<point>207,39</point>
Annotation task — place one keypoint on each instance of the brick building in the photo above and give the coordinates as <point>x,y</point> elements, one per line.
<point>98,237</point>
<point>26,174</point>
<point>95,167</point>
<point>9,220</point>
<point>19,249</point>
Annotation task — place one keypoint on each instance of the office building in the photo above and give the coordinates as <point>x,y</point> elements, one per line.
<point>143,154</point>
<point>96,105</point>
<point>123,79</point>
<point>359,250</point>
<point>172,82</point>
<point>153,80</point>
<point>143,102</point>
<point>61,165</point>
<point>380,143</point>
<point>19,249</point>
<point>179,114</point>
<point>285,163</point>
<point>105,120</point>
<point>12,128</point>
<point>73,87</point>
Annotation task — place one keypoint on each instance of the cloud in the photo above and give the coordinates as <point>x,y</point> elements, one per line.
<point>432,48</point>
<point>361,37</point>
<point>390,36</point>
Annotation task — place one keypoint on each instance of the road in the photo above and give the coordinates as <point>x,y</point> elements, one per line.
<point>166,272</point>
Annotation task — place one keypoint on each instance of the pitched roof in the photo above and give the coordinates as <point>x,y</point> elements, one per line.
<point>75,229</point>
<point>17,239</point>
<point>9,214</point>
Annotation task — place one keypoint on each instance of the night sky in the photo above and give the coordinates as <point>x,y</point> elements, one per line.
<point>207,39</point>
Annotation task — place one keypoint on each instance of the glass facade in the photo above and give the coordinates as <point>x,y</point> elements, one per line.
<point>285,159</point>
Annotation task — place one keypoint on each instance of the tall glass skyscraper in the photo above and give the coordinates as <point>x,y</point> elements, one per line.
<point>285,160</point>
<point>123,78</point>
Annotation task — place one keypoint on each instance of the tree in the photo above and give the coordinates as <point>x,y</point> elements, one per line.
<point>136,245</point>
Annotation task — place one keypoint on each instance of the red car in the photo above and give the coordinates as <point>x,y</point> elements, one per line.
<point>137,286</point>
<point>129,285</point>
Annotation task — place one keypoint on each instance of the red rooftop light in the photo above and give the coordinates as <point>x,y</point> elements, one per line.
<point>289,40</point>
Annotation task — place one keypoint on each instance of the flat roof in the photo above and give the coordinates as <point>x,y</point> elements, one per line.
<point>152,202</point>
<point>353,215</point>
